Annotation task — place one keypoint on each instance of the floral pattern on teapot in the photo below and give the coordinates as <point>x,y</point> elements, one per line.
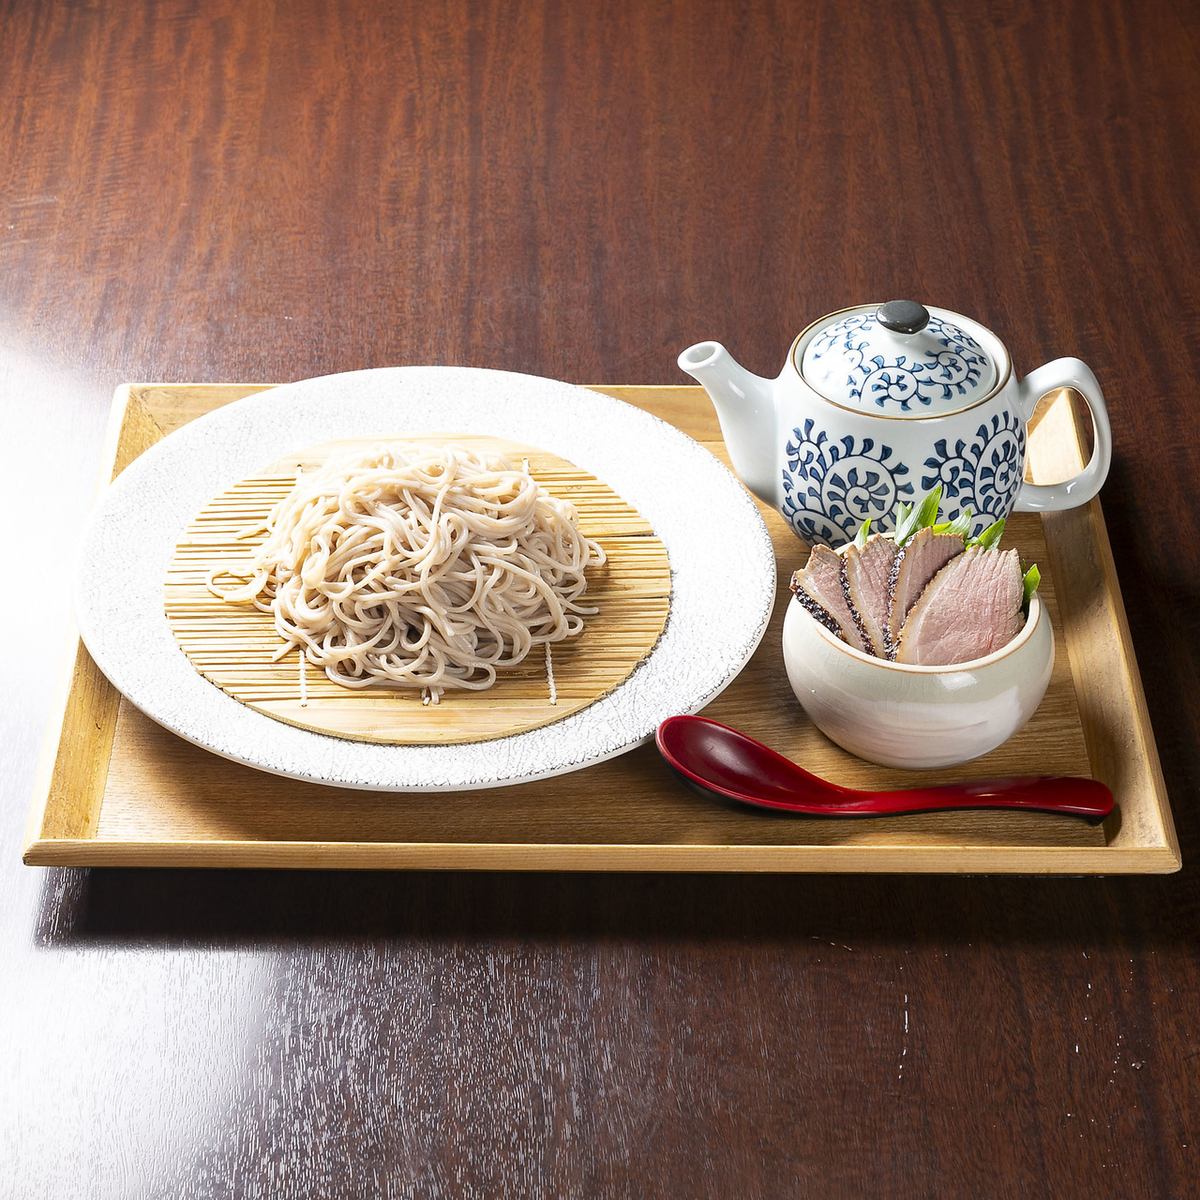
<point>901,379</point>
<point>830,486</point>
<point>882,402</point>
<point>983,473</point>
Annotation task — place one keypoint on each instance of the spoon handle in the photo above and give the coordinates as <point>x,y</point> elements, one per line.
<point>1046,793</point>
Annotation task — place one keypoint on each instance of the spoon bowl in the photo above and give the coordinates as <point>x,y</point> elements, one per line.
<point>733,766</point>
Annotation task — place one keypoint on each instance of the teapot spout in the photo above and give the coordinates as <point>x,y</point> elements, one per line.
<point>745,405</point>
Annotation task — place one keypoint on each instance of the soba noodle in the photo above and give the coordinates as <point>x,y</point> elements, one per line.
<point>418,567</point>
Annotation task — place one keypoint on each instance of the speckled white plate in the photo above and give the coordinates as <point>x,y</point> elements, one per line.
<point>722,567</point>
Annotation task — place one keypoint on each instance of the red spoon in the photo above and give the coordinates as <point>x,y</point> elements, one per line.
<point>728,764</point>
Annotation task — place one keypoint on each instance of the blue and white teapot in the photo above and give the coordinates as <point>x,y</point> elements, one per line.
<point>880,403</point>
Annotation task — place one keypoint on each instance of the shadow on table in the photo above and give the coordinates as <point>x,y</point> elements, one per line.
<point>213,909</point>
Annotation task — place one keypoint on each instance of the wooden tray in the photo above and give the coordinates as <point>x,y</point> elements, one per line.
<point>117,790</point>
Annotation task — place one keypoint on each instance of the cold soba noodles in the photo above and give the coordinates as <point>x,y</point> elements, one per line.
<point>418,567</point>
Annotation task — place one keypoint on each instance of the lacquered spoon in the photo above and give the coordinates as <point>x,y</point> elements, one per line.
<point>733,766</point>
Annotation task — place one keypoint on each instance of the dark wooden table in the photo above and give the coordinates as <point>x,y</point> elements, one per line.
<point>244,190</point>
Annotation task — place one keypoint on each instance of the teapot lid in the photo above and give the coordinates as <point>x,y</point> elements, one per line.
<point>899,359</point>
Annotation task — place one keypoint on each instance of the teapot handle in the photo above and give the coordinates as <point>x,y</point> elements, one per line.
<point>1053,497</point>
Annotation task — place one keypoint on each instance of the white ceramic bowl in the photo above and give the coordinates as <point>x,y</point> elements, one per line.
<point>907,716</point>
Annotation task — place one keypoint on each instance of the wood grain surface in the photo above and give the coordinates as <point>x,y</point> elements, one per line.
<point>265,191</point>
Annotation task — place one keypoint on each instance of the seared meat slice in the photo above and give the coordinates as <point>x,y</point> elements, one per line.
<point>818,586</point>
<point>867,572</point>
<point>914,566</point>
<point>971,607</point>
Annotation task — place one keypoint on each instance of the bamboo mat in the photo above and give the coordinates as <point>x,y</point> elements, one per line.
<point>232,644</point>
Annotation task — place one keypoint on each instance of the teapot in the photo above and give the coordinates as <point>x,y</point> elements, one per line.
<point>879,404</point>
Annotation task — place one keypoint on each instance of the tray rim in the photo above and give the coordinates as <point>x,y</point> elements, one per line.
<point>81,683</point>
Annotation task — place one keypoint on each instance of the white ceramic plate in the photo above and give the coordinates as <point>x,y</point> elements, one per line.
<point>722,567</point>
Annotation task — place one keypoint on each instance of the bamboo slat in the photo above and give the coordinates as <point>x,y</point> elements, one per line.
<point>232,645</point>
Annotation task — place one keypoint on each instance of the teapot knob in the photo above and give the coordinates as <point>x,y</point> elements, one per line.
<point>903,316</point>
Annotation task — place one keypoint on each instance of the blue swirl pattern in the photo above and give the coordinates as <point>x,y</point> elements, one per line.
<point>831,487</point>
<point>983,472</point>
<point>902,380</point>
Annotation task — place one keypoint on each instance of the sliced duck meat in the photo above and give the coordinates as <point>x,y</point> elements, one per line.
<point>914,566</point>
<point>818,586</point>
<point>971,607</point>
<point>867,572</point>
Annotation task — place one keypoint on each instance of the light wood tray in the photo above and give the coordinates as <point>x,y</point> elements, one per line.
<point>233,645</point>
<point>118,790</point>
